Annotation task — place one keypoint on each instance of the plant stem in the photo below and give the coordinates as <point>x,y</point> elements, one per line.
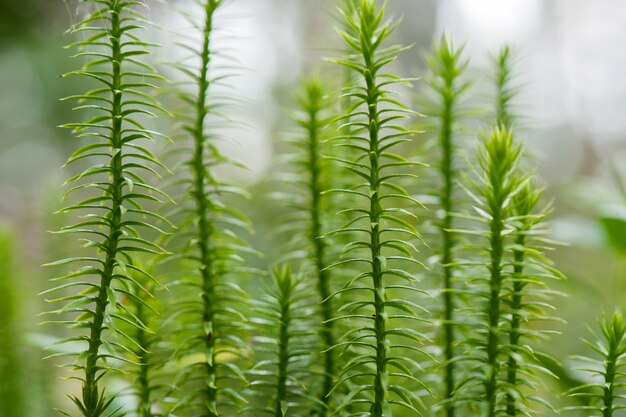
<point>91,396</point>
<point>379,406</point>
<point>610,371</point>
<point>497,245</point>
<point>283,349</point>
<point>504,94</point>
<point>205,229</point>
<point>499,162</point>
<point>516,305</point>
<point>447,241</point>
<point>323,275</point>
<point>144,404</point>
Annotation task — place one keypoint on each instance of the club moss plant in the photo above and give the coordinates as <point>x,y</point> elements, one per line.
<point>375,134</point>
<point>285,338</point>
<point>446,79</point>
<point>111,195</point>
<point>492,192</point>
<point>209,303</point>
<point>606,392</point>
<point>308,177</point>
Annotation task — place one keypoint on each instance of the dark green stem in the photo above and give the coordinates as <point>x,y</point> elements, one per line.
<point>610,375</point>
<point>496,255</point>
<point>447,241</point>
<point>504,119</point>
<point>323,284</point>
<point>204,228</point>
<point>516,306</point>
<point>379,406</point>
<point>93,372</point>
<point>283,354</point>
<point>144,388</point>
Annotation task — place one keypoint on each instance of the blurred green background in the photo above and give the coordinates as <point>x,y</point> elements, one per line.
<point>571,66</point>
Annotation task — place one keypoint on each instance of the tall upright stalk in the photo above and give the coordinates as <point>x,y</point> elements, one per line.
<point>498,195</point>
<point>112,48</point>
<point>492,192</point>
<point>209,303</point>
<point>204,231</point>
<point>374,135</point>
<point>523,205</point>
<point>445,79</point>
<point>313,104</point>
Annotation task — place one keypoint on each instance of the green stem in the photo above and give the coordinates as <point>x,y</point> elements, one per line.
<point>504,118</point>
<point>205,229</point>
<point>323,284</point>
<point>447,191</point>
<point>609,376</point>
<point>379,406</point>
<point>283,355</point>
<point>144,404</point>
<point>516,306</point>
<point>496,256</point>
<point>90,391</point>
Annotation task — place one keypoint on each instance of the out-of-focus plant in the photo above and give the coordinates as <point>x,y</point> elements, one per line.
<point>308,176</point>
<point>11,343</point>
<point>605,393</point>
<point>210,323</point>
<point>446,80</point>
<point>285,345</point>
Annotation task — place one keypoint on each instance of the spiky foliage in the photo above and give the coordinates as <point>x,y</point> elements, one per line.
<point>380,368</point>
<point>208,300</point>
<point>11,383</point>
<point>113,218</point>
<point>606,393</point>
<point>285,343</point>
<point>306,181</point>
<point>505,90</point>
<point>492,192</point>
<point>446,80</point>
<point>529,294</point>
<point>511,277</point>
<point>147,384</point>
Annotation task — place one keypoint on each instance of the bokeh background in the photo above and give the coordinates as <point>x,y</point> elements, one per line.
<point>571,66</point>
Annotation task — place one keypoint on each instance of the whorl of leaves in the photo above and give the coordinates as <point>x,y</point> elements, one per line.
<point>112,193</point>
<point>208,313</point>
<point>382,318</point>
<point>605,394</point>
<point>284,344</point>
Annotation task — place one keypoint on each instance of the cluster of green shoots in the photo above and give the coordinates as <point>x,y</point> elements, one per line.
<point>163,293</point>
